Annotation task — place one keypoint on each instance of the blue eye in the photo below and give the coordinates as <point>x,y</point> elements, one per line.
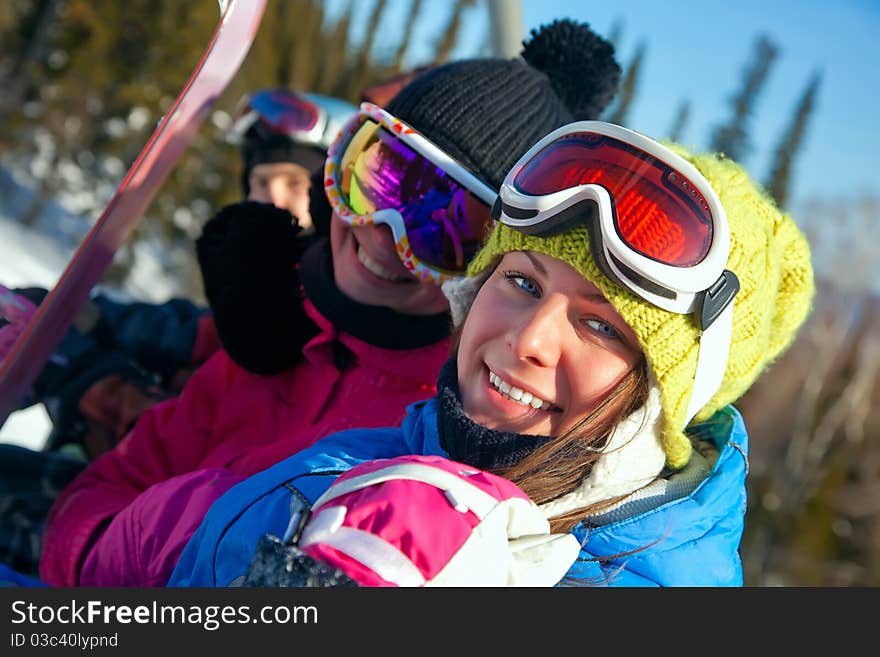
<point>523,282</point>
<point>603,328</point>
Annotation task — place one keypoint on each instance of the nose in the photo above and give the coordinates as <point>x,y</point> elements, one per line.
<point>538,338</point>
<point>279,193</point>
<point>378,236</point>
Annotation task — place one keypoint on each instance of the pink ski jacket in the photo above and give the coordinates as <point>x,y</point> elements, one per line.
<point>231,419</point>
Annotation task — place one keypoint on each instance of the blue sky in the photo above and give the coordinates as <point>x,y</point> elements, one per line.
<point>698,51</point>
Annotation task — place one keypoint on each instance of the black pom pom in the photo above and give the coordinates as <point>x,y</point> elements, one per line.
<point>579,63</point>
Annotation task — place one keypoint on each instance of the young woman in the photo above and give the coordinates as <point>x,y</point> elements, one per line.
<point>628,294</point>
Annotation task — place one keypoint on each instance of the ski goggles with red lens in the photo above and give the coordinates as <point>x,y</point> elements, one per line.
<point>381,171</point>
<point>656,225</point>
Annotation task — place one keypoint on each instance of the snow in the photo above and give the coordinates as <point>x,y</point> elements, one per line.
<point>27,257</point>
<point>28,428</point>
<point>37,256</point>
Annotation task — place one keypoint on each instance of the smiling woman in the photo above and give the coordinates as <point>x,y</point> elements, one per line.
<point>534,324</point>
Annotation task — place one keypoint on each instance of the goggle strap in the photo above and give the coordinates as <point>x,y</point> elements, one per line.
<point>639,280</point>
<point>712,361</point>
<point>582,212</point>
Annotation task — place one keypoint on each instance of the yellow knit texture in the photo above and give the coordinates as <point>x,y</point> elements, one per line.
<point>769,255</point>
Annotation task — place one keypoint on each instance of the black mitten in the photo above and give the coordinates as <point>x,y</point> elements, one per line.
<point>248,254</point>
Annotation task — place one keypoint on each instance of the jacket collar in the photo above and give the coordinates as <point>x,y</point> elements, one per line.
<point>419,364</point>
<point>375,325</point>
<point>686,506</point>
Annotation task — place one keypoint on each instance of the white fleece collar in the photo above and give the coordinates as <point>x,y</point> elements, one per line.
<point>632,459</point>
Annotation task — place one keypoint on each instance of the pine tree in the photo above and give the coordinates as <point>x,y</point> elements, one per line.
<point>449,37</point>
<point>627,92</point>
<point>732,138</point>
<point>331,65</point>
<point>415,9</point>
<point>615,34</point>
<point>682,115</point>
<point>27,26</point>
<point>360,73</point>
<point>779,180</point>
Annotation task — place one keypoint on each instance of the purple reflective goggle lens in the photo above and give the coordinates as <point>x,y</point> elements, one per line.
<point>444,221</point>
<point>284,112</point>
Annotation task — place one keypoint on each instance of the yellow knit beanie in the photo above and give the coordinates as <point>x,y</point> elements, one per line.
<point>769,255</point>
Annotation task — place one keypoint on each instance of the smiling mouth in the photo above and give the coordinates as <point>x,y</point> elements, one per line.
<point>518,395</point>
<point>378,270</point>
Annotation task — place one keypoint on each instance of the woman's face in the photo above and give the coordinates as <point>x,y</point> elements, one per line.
<point>540,348</point>
<point>366,269</point>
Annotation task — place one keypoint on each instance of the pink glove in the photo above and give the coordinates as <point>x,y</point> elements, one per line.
<point>429,521</point>
<point>18,311</point>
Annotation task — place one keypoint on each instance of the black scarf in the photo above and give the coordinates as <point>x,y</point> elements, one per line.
<point>471,443</point>
<point>377,325</point>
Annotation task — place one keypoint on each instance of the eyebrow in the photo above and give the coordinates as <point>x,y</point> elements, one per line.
<point>596,297</point>
<point>535,263</point>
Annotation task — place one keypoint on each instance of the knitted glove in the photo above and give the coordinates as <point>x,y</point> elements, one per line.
<point>248,253</point>
<point>423,521</point>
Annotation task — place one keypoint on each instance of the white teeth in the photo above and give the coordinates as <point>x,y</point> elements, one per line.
<point>376,268</point>
<point>516,394</point>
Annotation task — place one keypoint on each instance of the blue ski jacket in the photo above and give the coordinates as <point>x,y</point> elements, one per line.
<point>692,540</point>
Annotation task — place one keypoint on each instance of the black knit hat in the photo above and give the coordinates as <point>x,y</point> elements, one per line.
<point>267,148</point>
<point>486,113</point>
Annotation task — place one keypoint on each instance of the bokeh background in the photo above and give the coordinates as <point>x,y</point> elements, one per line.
<point>788,88</point>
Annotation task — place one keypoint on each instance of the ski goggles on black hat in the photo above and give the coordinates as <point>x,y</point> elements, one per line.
<point>305,118</point>
<point>381,171</point>
<point>656,225</point>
